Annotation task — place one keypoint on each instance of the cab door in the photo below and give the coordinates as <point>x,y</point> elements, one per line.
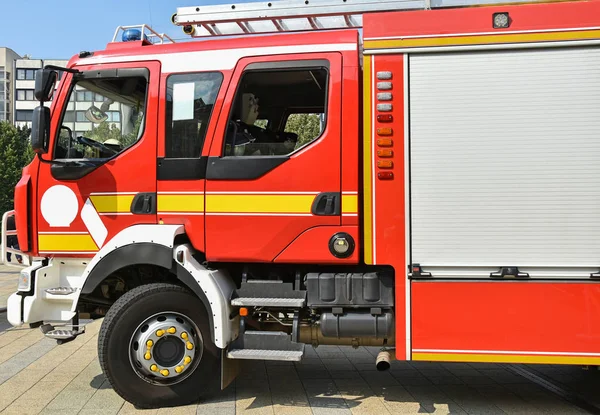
<point>102,178</point>
<point>274,167</point>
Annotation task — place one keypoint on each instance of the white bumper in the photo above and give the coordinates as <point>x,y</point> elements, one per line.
<point>13,310</point>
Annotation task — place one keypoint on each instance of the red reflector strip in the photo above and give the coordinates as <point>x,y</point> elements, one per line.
<point>384,131</point>
<point>385,175</point>
<point>385,118</point>
<point>385,153</point>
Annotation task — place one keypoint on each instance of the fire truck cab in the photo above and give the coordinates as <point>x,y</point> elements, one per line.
<point>412,175</point>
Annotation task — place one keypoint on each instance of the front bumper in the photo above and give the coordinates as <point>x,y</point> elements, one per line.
<point>32,303</point>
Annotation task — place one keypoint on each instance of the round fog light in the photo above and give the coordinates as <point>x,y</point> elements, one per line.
<point>341,245</point>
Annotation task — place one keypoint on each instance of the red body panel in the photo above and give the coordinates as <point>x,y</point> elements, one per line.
<point>497,317</point>
<point>23,195</point>
<point>312,246</point>
<point>479,19</point>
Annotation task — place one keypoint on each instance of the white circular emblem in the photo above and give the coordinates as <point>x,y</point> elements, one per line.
<point>59,206</point>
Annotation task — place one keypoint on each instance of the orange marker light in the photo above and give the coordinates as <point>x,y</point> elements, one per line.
<point>384,142</point>
<point>243,311</point>
<point>385,153</point>
<point>385,175</point>
<point>384,131</point>
<point>385,164</point>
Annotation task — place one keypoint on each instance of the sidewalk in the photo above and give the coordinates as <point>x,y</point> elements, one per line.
<point>8,282</point>
<point>37,376</point>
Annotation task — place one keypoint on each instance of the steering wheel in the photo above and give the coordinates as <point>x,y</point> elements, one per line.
<point>93,143</point>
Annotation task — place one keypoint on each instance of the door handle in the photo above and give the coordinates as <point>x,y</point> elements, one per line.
<point>327,204</point>
<point>144,204</point>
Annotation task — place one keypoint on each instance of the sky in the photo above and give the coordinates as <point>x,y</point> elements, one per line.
<point>60,29</point>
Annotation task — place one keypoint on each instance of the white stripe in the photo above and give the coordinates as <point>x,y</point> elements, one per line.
<point>349,214</point>
<point>180,213</point>
<point>115,213</point>
<point>215,59</point>
<point>258,214</point>
<point>180,193</point>
<point>262,193</point>
<point>373,119</point>
<point>94,223</point>
<point>62,233</point>
<point>407,294</point>
<point>512,32</point>
<point>349,193</point>
<point>507,352</point>
<point>114,194</point>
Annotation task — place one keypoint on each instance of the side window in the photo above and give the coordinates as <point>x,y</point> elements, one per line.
<point>306,125</point>
<point>103,117</point>
<point>277,111</point>
<point>190,101</point>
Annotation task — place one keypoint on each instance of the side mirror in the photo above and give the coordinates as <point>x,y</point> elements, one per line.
<point>45,81</point>
<point>40,129</point>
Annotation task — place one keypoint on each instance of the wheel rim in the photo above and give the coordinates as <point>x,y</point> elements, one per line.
<point>165,348</point>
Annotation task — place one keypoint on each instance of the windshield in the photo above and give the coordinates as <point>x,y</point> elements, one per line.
<point>103,117</point>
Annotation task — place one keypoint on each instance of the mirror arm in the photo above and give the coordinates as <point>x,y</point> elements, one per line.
<point>55,162</point>
<point>60,68</point>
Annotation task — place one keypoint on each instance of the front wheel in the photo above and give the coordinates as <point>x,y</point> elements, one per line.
<point>155,347</point>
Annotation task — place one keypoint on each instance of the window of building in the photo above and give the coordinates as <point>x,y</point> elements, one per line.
<point>26,74</point>
<point>25,95</point>
<point>190,101</point>
<point>24,115</point>
<point>276,112</point>
<point>105,138</point>
<point>85,96</point>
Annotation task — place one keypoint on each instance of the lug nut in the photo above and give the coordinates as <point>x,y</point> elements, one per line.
<point>159,333</point>
<point>179,369</point>
<point>164,372</point>
<point>154,368</point>
<point>184,335</point>
<point>187,360</point>
<point>147,356</point>
<point>149,343</point>
<point>172,330</point>
<point>189,346</point>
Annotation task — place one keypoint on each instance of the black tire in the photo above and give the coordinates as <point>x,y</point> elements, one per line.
<point>122,319</point>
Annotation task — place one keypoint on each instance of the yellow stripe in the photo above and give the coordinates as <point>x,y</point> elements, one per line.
<point>69,243</point>
<point>502,358</point>
<point>112,203</point>
<point>349,203</point>
<point>181,203</point>
<point>367,160</point>
<point>259,203</point>
<point>482,39</point>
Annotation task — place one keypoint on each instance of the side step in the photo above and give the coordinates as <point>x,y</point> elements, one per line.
<point>268,293</point>
<point>61,335</point>
<point>266,345</point>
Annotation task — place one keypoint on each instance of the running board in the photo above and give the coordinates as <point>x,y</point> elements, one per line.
<point>61,335</point>
<point>266,345</point>
<point>268,293</point>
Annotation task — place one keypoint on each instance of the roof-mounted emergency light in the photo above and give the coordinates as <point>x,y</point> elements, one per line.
<point>131,35</point>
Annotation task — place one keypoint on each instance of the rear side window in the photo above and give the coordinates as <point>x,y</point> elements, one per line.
<point>189,104</point>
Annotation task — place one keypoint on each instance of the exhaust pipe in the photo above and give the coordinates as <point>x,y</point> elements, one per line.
<point>383,360</point>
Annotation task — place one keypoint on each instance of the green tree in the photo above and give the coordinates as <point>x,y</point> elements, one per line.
<point>307,126</point>
<point>15,153</point>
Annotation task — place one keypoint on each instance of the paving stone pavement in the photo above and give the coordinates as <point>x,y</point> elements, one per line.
<point>37,376</point>
<point>8,282</point>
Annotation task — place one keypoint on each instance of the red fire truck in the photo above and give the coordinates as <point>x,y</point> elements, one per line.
<point>420,176</point>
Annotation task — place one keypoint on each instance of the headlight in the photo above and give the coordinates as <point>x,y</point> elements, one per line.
<point>24,281</point>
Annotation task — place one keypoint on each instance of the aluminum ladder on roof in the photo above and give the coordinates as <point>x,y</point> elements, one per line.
<point>299,15</point>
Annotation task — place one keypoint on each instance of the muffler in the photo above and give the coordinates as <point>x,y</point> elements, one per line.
<point>383,360</point>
